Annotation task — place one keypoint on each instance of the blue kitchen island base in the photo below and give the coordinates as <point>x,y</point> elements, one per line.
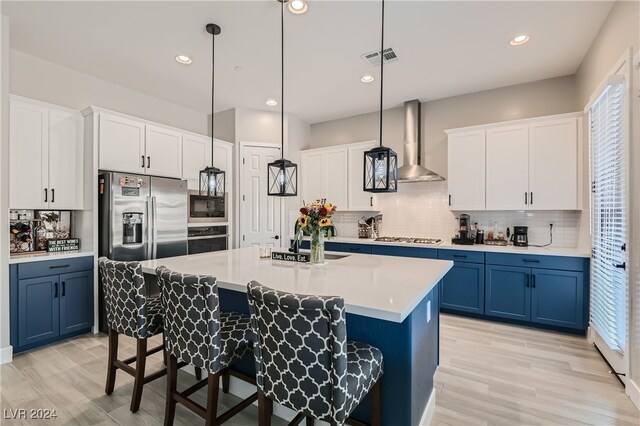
<point>410,350</point>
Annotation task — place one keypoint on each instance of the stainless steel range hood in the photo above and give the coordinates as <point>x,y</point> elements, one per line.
<point>412,169</point>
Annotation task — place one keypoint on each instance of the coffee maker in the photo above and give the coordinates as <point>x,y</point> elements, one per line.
<point>519,237</point>
<point>464,231</point>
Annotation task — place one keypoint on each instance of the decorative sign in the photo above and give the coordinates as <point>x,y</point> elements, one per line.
<point>68,244</point>
<point>291,257</point>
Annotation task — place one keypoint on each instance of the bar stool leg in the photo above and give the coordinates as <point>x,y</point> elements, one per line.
<point>172,376</point>
<point>111,367</point>
<point>164,351</point>
<point>225,380</point>
<point>376,406</point>
<point>138,384</point>
<point>265,408</point>
<point>310,421</point>
<point>213,389</point>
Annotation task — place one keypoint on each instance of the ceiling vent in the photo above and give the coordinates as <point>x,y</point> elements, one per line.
<point>374,57</point>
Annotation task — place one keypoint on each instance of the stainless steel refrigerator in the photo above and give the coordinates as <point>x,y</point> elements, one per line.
<point>141,217</point>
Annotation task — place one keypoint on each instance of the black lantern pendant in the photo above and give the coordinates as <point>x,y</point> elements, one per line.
<point>282,175</point>
<point>212,178</point>
<point>381,163</point>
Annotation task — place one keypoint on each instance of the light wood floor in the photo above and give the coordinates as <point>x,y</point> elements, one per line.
<point>489,374</point>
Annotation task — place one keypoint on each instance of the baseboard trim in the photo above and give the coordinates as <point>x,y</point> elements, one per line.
<point>633,390</point>
<point>6,354</point>
<point>427,416</point>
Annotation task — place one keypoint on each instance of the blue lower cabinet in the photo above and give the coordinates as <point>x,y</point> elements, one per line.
<point>463,288</point>
<point>355,248</point>
<point>76,301</point>
<point>423,253</point>
<point>38,310</point>
<point>557,298</point>
<point>48,308</point>
<point>508,294</point>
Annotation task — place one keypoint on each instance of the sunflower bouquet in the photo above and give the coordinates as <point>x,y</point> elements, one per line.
<point>315,220</point>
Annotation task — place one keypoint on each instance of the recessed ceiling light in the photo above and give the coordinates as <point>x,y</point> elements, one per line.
<point>183,59</point>
<point>298,6</point>
<point>519,39</point>
<point>272,102</point>
<point>367,78</point>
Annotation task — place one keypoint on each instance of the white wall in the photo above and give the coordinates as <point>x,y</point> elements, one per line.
<point>619,32</point>
<point>45,81</point>
<point>5,349</point>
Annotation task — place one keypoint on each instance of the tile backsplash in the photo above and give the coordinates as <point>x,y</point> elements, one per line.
<point>421,210</point>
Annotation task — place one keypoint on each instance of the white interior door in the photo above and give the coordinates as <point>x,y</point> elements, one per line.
<point>259,213</point>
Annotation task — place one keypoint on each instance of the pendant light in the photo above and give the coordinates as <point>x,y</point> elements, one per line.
<point>381,163</point>
<point>212,178</point>
<point>282,175</point>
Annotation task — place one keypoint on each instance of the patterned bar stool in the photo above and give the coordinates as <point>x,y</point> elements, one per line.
<point>304,360</point>
<point>132,313</point>
<point>197,333</point>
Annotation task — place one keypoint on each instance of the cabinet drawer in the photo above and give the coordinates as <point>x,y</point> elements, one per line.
<point>54,267</point>
<point>356,248</point>
<point>462,256</point>
<point>538,261</point>
<point>423,253</point>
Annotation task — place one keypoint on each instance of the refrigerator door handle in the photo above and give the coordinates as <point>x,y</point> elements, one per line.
<point>149,229</point>
<point>154,227</point>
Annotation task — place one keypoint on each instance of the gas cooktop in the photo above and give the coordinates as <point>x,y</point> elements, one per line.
<point>409,240</point>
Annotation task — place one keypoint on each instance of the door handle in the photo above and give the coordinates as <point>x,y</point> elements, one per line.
<point>142,165</point>
<point>622,265</point>
<point>531,198</point>
<point>277,237</point>
<point>59,266</point>
<point>460,256</point>
<point>55,290</point>
<point>527,284</point>
<point>53,195</point>
<point>531,260</point>
<point>371,201</point>
<point>525,198</point>
<point>148,162</point>
<point>63,287</point>
<point>449,199</point>
<point>45,195</point>
<point>533,280</point>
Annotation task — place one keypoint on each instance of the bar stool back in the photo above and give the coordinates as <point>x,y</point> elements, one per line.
<point>132,313</point>
<point>304,360</point>
<point>199,334</point>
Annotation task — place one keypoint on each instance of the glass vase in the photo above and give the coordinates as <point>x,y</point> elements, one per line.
<point>317,248</point>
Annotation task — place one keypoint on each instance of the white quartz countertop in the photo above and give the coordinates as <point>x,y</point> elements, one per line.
<point>382,287</point>
<point>39,257</point>
<point>545,251</point>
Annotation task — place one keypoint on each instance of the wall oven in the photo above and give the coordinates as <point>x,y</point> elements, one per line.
<point>204,239</point>
<point>203,209</point>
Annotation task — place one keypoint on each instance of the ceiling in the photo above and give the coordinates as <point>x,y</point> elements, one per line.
<point>444,48</point>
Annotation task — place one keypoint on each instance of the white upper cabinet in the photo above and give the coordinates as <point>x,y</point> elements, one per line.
<point>196,155</point>
<point>121,144</point>
<point>66,160</point>
<point>163,152</point>
<point>335,177</point>
<point>358,198</point>
<point>29,155</point>
<point>46,148</point>
<point>336,173</point>
<point>553,165</point>
<point>312,170</point>
<point>532,164</point>
<point>466,180</point>
<point>507,168</point>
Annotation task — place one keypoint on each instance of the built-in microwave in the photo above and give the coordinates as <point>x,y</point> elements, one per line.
<point>203,209</point>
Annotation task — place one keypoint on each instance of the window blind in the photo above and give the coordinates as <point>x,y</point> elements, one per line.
<point>609,216</point>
